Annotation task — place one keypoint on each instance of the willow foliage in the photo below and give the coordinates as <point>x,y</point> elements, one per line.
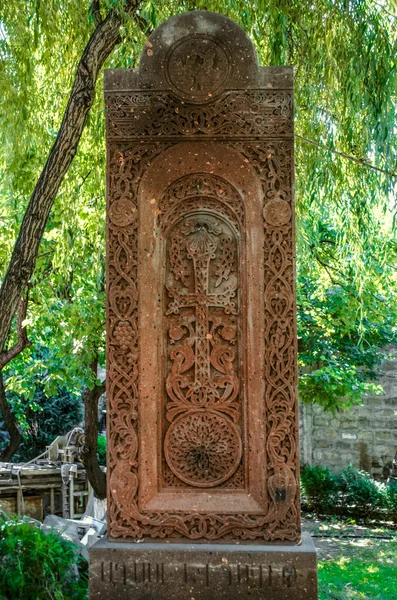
<point>344,55</point>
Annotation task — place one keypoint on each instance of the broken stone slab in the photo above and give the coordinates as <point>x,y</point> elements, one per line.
<point>88,540</point>
<point>91,523</point>
<point>67,528</point>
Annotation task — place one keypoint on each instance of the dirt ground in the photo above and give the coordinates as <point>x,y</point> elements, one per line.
<point>334,538</point>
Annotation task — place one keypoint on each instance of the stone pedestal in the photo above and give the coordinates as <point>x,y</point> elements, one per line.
<point>184,571</point>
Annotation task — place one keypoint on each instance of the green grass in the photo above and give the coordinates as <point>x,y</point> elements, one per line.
<point>365,573</point>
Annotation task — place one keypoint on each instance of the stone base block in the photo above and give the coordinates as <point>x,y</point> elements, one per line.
<point>183,571</point>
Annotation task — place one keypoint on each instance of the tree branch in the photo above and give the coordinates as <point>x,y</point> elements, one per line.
<point>103,40</point>
<point>11,425</point>
<point>7,355</point>
<point>360,161</point>
<point>95,11</point>
<point>96,476</point>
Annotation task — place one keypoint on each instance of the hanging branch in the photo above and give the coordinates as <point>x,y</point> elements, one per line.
<point>103,40</point>
<point>360,161</point>
<point>385,10</point>
<point>5,357</point>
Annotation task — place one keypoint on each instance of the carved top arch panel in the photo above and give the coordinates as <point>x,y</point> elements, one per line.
<point>199,74</point>
<point>198,54</point>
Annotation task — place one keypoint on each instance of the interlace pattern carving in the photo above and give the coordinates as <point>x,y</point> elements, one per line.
<point>272,161</point>
<point>248,113</point>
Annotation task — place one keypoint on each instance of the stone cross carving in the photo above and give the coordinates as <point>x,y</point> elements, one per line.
<point>202,447</point>
<point>202,376</point>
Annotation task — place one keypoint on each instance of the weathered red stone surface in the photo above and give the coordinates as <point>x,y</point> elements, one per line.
<point>221,571</point>
<point>202,375</point>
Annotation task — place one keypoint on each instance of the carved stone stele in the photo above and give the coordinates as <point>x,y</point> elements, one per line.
<point>201,341</point>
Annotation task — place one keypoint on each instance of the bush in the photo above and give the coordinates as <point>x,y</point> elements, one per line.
<point>350,492</point>
<point>359,492</point>
<point>320,488</point>
<point>43,418</point>
<point>37,566</point>
<point>391,502</point>
<point>101,450</point>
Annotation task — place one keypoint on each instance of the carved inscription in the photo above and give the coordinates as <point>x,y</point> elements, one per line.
<point>251,576</point>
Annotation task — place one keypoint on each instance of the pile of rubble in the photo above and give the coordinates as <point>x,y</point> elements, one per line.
<point>85,531</point>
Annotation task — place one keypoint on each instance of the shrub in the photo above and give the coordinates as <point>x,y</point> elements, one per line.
<point>101,450</point>
<point>37,566</point>
<point>359,492</point>
<point>43,418</point>
<point>350,492</point>
<point>391,502</point>
<point>320,488</point>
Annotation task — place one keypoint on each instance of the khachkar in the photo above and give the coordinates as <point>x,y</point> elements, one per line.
<point>201,346</point>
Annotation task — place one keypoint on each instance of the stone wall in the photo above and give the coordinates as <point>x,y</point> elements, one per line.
<point>364,436</point>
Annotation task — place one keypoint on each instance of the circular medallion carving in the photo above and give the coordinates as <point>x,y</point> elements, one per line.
<point>197,67</point>
<point>277,212</point>
<point>122,212</point>
<point>203,448</point>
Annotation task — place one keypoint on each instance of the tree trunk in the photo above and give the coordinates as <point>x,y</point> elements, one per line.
<point>11,425</point>
<point>103,40</point>
<point>96,476</point>
<point>5,357</point>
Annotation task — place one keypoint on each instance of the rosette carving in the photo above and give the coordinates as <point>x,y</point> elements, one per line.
<point>203,448</point>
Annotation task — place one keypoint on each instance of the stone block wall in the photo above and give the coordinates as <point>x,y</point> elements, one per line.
<point>364,436</point>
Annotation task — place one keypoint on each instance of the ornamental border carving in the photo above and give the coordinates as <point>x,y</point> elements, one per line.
<point>240,113</point>
<point>126,164</point>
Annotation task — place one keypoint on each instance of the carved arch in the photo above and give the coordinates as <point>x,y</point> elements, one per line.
<point>202,191</point>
